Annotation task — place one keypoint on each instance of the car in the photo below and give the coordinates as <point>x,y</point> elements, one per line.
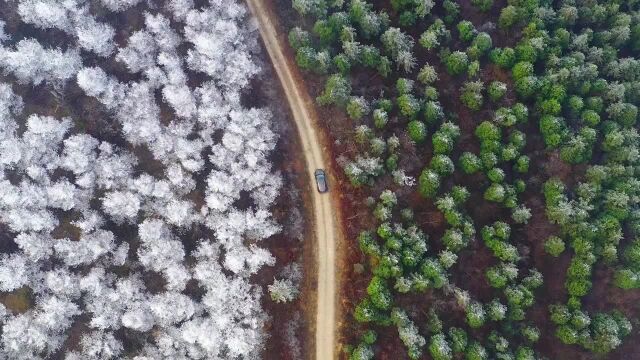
<point>321,181</point>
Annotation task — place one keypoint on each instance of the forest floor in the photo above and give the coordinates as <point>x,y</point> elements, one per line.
<point>327,232</point>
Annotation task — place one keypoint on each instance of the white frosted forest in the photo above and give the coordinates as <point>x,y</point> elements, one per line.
<point>56,176</point>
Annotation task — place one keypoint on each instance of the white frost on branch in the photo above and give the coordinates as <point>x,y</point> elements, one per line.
<point>29,62</point>
<point>3,35</point>
<point>72,17</point>
<point>119,5</point>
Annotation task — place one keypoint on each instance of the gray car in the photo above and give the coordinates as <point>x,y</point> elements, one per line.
<point>321,181</point>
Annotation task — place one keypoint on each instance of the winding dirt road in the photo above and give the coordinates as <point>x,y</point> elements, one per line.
<point>326,231</point>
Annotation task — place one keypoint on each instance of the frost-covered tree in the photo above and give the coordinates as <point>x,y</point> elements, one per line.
<point>47,14</point>
<point>3,35</point>
<point>88,249</point>
<point>94,36</point>
<point>119,5</point>
<point>68,190</point>
<point>140,52</point>
<point>30,62</point>
<point>97,345</point>
<point>159,247</point>
<point>221,46</point>
<point>180,8</point>
<point>172,308</point>
<point>14,272</point>
<point>121,205</point>
<point>71,17</point>
<point>283,290</point>
<point>39,332</point>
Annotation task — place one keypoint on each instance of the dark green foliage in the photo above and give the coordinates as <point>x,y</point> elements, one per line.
<point>531,333</point>
<point>470,163</point>
<point>522,164</point>
<point>459,339</point>
<point>482,42</point>
<point>442,165</point>
<point>503,57</point>
<point>417,131</point>
<point>623,113</point>
<point>487,131</point>
<point>342,63</point>
<point>466,30</point>
<point>456,62</point>
<point>590,117</point>
<point>429,183</point>
<point>368,244</point>
<point>554,246</point>
<point>370,56</point>
<point>326,32</point>
<point>497,90</point>
<point>366,312</point>
<point>306,58</point>
<point>336,91</point>
<point>408,104</point>
<point>496,175</point>
<point>444,139</point>
<point>380,118</point>
<point>407,19</point>
<point>452,10</point>
<point>299,38</point>
<point>439,348</point>
<point>475,315</point>
<point>482,5</point>
<point>427,74</point>
<point>525,353</point>
<point>357,107</point>
<point>526,52</point>
<point>404,86</point>
<point>432,112</point>
<point>527,86</point>
<point>434,324</point>
<point>475,351</point>
<point>379,293</point>
<point>553,129</point>
<point>317,8</point>
<point>508,17</point>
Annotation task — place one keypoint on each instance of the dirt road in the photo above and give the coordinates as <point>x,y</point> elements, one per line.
<point>326,232</point>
